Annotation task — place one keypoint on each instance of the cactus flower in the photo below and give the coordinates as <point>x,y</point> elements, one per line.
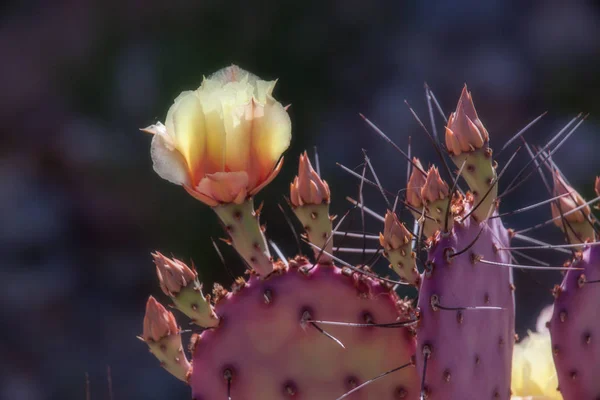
<point>308,187</point>
<point>223,141</point>
<point>158,322</point>
<point>533,372</point>
<point>465,132</point>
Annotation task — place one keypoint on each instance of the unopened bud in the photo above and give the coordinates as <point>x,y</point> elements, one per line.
<point>568,202</point>
<point>158,322</point>
<point>394,233</point>
<point>173,274</point>
<point>415,184</point>
<point>434,188</point>
<point>465,132</point>
<point>308,187</point>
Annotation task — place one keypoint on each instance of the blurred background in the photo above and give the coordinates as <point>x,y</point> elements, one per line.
<point>81,208</point>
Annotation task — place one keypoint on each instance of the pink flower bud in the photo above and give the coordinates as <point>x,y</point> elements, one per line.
<point>415,184</point>
<point>173,274</point>
<point>394,234</point>
<point>465,132</point>
<point>158,322</point>
<point>568,202</point>
<point>308,187</point>
<point>434,188</point>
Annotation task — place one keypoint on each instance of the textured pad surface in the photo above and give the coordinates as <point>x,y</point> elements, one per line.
<point>471,350</point>
<point>575,329</point>
<point>272,356</point>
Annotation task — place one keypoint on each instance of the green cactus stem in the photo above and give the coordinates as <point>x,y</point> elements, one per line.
<point>242,224</point>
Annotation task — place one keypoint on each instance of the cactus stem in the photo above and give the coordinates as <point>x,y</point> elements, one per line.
<point>362,385</point>
<point>458,253</point>
<point>450,196</point>
<point>492,188</point>
<point>247,237</point>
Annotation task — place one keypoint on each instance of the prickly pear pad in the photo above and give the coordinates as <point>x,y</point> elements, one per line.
<point>575,330</point>
<point>271,353</point>
<point>470,350</point>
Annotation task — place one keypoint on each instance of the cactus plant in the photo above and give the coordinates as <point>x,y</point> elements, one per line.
<point>572,327</point>
<point>320,328</point>
<point>459,296</point>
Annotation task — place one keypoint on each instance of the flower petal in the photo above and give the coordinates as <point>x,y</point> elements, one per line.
<point>185,124</point>
<point>238,127</point>
<point>168,162</point>
<point>225,187</point>
<point>269,178</point>
<point>271,137</point>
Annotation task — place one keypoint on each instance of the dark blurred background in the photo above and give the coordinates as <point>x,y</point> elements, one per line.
<point>81,208</point>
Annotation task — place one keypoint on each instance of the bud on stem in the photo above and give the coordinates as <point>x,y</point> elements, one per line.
<point>467,141</point>
<point>435,194</point>
<point>163,337</point>
<point>396,241</point>
<point>576,225</point>
<point>309,198</point>
<point>180,283</point>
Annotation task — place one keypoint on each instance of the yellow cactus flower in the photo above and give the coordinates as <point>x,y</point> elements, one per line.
<point>533,372</point>
<point>222,142</point>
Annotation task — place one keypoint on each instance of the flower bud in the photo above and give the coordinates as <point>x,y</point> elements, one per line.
<point>568,202</point>
<point>465,132</point>
<point>395,234</point>
<point>434,188</point>
<point>415,184</point>
<point>308,187</point>
<point>173,274</point>
<point>158,322</point>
